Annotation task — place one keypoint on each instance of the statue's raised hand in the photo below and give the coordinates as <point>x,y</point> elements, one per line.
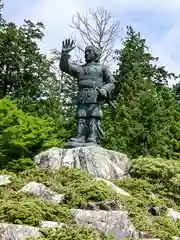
<point>67,45</point>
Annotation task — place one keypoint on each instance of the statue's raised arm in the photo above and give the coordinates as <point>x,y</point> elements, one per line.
<point>65,65</point>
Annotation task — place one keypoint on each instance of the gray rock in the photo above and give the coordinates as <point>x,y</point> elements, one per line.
<point>99,162</point>
<point>173,214</point>
<point>4,180</point>
<point>17,232</point>
<point>113,187</point>
<point>40,190</point>
<point>50,224</point>
<point>114,223</point>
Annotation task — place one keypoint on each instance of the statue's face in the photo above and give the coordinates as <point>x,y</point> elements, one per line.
<point>90,54</point>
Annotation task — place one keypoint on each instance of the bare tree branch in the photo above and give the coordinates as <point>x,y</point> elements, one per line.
<point>96,28</point>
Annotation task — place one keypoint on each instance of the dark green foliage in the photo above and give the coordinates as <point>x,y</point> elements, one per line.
<point>135,54</point>
<point>26,74</point>
<point>146,120</point>
<point>24,71</point>
<point>176,89</point>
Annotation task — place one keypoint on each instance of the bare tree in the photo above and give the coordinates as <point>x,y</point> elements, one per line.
<point>97,28</point>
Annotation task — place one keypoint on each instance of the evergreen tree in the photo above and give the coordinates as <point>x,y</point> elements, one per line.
<point>146,112</point>
<point>27,75</point>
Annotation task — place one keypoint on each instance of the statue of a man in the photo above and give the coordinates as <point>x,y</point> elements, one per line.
<point>96,85</point>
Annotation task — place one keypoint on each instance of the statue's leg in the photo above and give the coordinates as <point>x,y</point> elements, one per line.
<point>95,132</point>
<point>81,125</point>
<point>80,131</point>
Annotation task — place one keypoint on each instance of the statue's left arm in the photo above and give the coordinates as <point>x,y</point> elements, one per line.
<point>109,83</point>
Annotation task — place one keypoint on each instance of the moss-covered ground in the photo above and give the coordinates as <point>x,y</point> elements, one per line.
<point>155,185</point>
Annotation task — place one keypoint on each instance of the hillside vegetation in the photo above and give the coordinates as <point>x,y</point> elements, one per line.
<point>155,184</point>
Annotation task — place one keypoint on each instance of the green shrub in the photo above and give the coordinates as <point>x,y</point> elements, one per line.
<point>154,184</point>
<point>71,233</point>
<point>76,184</point>
<point>20,164</point>
<point>156,169</point>
<point>148,190</point>
<point>22,136</point>
<point>24,210</point>
<point>164,174</point>
<point>68,233</point>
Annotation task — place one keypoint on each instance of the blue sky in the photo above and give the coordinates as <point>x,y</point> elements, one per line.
<point>157,20</point>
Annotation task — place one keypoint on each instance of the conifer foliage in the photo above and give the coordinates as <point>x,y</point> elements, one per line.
<point>146,117</point>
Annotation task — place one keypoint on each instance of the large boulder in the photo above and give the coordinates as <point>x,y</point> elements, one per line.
<point>99,162</point>
<point>113,223</point>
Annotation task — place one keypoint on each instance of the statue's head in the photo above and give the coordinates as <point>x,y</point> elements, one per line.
<point>92,54</point>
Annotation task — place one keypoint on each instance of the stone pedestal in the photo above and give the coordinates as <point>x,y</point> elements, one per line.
<point>97,161</point>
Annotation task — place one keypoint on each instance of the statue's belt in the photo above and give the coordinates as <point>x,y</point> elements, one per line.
<point>86,88</point>
<point>86,92</point>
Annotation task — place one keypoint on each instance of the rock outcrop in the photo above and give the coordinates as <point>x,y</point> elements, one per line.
<point>97,161</point>
<point>40,190</point>
<point>114,223</point>
<point>113,187</point>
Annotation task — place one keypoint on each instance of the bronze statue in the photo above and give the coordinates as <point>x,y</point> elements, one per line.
<point>96,86</point>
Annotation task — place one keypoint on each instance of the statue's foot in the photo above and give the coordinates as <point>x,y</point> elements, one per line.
<point>78,140</point>
<point>73,144</point>
<point>91,141</point>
